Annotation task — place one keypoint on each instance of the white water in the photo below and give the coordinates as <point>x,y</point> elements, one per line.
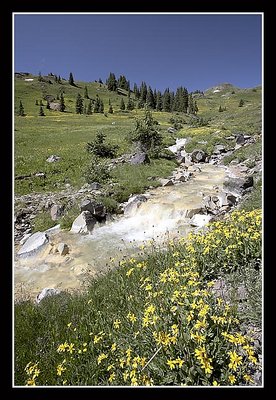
<point>160,218</point>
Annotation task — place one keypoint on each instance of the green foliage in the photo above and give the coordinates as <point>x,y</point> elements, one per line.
<point>42,221</point>
<point>96,170</point>
<point>110,204</point>
<point>41,112</point>
<point>62,103</point>
<point>145,132</point>
<point>21,111</point>
<point>86,96</point>
<point>112,82</point>
<point>71,79</point>
<point>100,148</point>
<point>252,151</point>
<point>68,218</point>
<point>79,104</point>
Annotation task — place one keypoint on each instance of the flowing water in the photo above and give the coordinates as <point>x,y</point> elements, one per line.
<point>161,217</point>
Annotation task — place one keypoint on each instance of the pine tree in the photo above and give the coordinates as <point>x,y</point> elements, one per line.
<point>48,105</point>
<point>86,93</point>
<point>166,101</point>
<point>241,104</point>
<point>111,82</point>
<point>97,105</point>
<point>143,92</point>
<point>110,110</point>
<point>158,101</point>
<point>71,80</point>
<point>21,111</point>
<point>62,104</point>
<point>220,109</point>
<point>89,108</point>
<point>196,108</point>
<point>79,104</point>
<point>150,98</point>
<point>136,91</point>
<point>130,104</point>
<point>191,107</point>
<point>41,103</point>
<point>41,112</point>
<point>40,79</point>
<point>36,102</point>
<point>59,79</point>
<point>122,105</point>
<point>101,107</point>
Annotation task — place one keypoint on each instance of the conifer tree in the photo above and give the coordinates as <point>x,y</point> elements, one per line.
<point>111,82</point>
<point>158,101</point>
<point>59,79</point>
<point>150,98</point>
<point>48,105</point>
<point>21,111</point>
<point>89,107</point>
<point>122,105</point>
<point>41,112</point>
<point>166,100</point>
<point>101,106</point>
<point>241,103</point>
<point>110,110</point>
<point>86,93</point>
<point>40,79</point>
<point>71,79</point>
<point>79,104</point>
<point>62,103</point>
<point>36,102</point>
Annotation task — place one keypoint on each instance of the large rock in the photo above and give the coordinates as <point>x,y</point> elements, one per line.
<point>200,220</point>
<point>218,149</point>
<point>46,292</point>
<point>53,158</point>
<point>240,139</point>
<point>134,203</point>
<point>198,155</point>
<point>55,106</point>
<point>56,211</point>
<point>84,223</point>
<point>238,185</point>
<point>33,244</point>
<point>167,182</point>
<point>190,213</point>
<point>96,209</point>
<point>140,158</point>
<point>63,249</point>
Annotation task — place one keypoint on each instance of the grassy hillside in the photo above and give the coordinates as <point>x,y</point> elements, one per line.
<point>65,134</point>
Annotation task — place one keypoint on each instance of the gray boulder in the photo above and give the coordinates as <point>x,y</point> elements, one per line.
<point>63,249</point>
<point>33,244</point>
<point>96,209</point>
<point>84,223</point>
<point>134,203</point>
<point>167,182</point>
<point>218,149</point>
<point>198,155</point>
<point>46,292</point>
<point>140,158</point>
<point>200,220</point>
<point>55,106</point>
<point>94,186</point>
<point>238,185</point>
<point>171,129</point>
<point>240,139</point>
<point>56,211</point>
<point>53,158</point>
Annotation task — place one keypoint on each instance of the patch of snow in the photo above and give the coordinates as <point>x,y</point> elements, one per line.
<point>28,79</point>
<point>216,91</point>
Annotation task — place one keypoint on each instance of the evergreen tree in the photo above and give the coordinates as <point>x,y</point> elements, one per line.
<point>130,104</point>
<point>59,79</point>
<point>122,105</point>
<point>41,112</point>
<point>97,105</point>
<point>48,105</point>
<point>191,107</point>
<point>143,92</point>
<point>57,96</point>
<point>241,104</point>
<point>62,103</point>
<point>158,101</point>
<point>89,108</point>
<point>36,102</point>
<point>71,80</point>
<point>56,79</point>
<point>123,83</point>
<point>171,100</point>
<point>146,132</point>
<point>101,106</point>
<point>150,98</point>
<point>40,79</point>
<point>220,109</point>
<point>41,103</point>
<point>21,111</point>
<point>110,110</point>
<point>100,80</point>
<point>111,82</point>
<point>79,104</point>
<point>136,91</point>
<point>86,93</point>
<point>166,101</point>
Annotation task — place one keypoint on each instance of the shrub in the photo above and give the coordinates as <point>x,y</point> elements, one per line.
<point>97,170</point>
<point>100,148</point>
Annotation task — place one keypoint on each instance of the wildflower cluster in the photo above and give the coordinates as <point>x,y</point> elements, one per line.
<point>171,328</point>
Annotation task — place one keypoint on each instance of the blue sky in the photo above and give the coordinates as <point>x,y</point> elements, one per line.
<point>196,51</point>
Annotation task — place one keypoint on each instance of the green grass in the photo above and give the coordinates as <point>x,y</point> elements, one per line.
<point>152,320</point>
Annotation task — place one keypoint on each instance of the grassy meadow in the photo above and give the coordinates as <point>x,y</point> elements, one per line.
<point>155,320</point>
